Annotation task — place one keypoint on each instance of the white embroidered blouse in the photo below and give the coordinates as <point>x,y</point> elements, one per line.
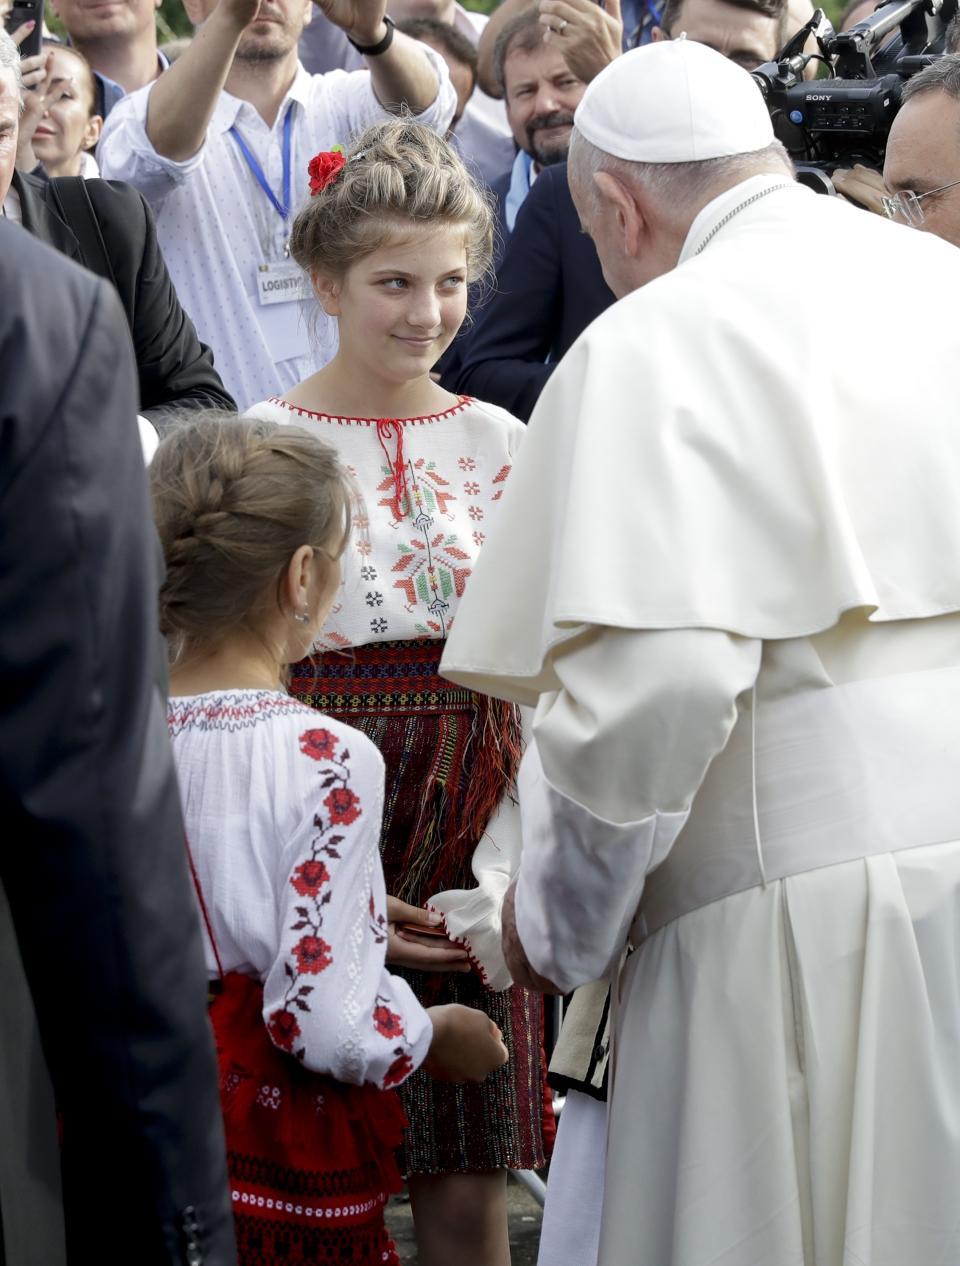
<point>282,808</point>
<point>430,487</point>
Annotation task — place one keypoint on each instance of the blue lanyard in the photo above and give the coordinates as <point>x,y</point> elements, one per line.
<point>282,208</point>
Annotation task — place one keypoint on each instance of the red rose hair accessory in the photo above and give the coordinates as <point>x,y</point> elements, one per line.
<point>324,169</point>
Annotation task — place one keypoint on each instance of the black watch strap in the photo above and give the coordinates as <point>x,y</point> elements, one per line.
<point>374,50</point>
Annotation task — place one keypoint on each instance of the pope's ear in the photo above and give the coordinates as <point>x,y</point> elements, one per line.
<point>657,34</point>
<point>327,289</point>
<point>626,206</point>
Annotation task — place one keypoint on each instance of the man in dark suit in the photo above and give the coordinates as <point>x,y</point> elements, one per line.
<point>98,905</point>
<point>549,288</point>
<point>175,369</point>
<point>110,229</point>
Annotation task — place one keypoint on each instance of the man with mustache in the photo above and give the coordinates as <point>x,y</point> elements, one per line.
<point>541,93</point>
<point>219,145</point>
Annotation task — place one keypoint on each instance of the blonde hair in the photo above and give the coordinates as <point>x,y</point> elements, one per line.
<point>395,173</point>
<point>233,500</point>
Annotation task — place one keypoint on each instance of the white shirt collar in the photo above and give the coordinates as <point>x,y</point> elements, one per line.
<point>229,107</point>
<point>11,207</point>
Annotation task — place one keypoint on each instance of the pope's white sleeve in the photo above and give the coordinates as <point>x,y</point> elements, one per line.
<point>606,784</point>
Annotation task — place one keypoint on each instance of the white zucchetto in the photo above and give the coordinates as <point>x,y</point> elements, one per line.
<point>675,101</point>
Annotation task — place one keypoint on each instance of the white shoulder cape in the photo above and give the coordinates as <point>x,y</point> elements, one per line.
<point>723,449</point>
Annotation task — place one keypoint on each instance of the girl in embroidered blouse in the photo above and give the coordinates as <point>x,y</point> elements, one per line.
<point>394,233</point>
<point>282,810</point>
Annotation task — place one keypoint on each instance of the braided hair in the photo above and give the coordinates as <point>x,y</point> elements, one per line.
<point>233,500</point>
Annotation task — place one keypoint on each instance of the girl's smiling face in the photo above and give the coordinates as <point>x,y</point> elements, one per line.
<point>400,307</point>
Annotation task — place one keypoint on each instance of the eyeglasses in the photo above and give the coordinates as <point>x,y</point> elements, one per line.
<point>906,205</point>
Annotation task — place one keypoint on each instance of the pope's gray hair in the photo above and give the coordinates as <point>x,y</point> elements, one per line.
<point>683,185</point>
<point>10,60</point>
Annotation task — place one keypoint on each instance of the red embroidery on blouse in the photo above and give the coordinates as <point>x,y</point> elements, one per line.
<point>462,402</point>
<point>386,1022</point>
<point>399,1071</point>
<point>318,744</point>
<point>311,880</point>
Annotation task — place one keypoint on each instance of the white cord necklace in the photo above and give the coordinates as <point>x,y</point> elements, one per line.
<point>736,211</point>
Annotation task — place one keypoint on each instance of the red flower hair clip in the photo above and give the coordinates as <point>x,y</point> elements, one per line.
<point>324,169</point>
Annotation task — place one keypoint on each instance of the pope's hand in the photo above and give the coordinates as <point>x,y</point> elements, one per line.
<point>513,952</point>
<point>862,186</point>
<point>423,953</point>
<point>589,35</point>
<point>361,19</point>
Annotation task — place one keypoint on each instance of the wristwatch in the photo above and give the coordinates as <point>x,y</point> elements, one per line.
<point>374,50</point>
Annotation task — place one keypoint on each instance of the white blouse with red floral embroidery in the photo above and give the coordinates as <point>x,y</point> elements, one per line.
<point>282,809</point>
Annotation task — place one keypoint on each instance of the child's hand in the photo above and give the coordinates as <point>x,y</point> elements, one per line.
<point>429,952</point>
<point>466,1045</point>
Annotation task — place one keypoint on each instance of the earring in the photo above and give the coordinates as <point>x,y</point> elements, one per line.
<point>302,617</point>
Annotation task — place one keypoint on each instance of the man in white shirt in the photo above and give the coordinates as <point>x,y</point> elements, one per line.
<point>727,573</point>
<point>483,134</point>
<point>219,146</point>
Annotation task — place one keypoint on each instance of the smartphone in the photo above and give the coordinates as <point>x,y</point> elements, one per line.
<point>27,11</point>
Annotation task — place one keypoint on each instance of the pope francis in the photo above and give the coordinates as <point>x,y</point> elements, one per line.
<point>727,573</point>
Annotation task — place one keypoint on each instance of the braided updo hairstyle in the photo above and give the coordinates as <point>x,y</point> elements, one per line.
<point>395,173</point>
<point>233,500</point>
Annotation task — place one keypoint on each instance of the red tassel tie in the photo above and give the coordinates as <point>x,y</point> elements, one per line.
<point>387,429</point>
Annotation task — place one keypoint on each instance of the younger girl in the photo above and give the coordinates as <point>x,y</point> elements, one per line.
<point>282,810</point>
<point>394,233</point>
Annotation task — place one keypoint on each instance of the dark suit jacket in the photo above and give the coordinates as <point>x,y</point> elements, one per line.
<point>549,289</point>
<point>92,860</point>
<point>499,190</point>
<point>175,369</point>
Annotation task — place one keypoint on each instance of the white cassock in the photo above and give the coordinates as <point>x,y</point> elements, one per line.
<point>727,572</point>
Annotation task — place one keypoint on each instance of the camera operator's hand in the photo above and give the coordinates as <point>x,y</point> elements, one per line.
<point>588,34</point>
<point>862,186</point>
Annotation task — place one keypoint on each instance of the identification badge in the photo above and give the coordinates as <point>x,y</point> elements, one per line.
<point>282,316</point>
<point>281,281</point>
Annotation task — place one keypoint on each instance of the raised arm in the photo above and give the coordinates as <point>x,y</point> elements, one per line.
<point>183,99</point>
<point>402,74</point>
